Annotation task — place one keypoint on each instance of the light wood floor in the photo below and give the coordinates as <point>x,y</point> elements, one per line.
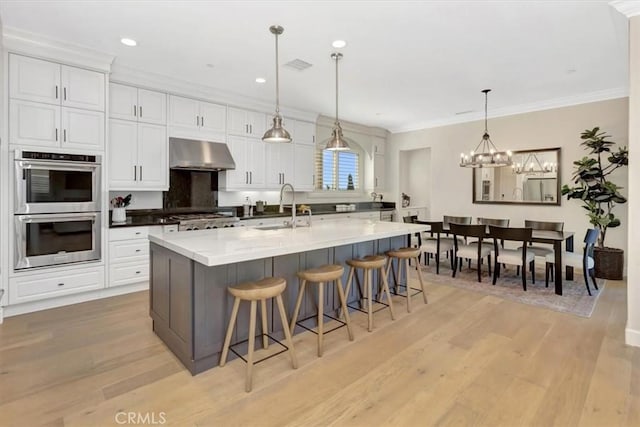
<point>463,359</point>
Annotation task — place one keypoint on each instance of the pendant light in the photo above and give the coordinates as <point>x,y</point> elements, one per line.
<point>486,155</point>
<point>337,141</point>
<point>277,133</point>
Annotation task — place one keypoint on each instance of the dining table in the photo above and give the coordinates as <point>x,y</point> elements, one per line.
<point>554,238</point>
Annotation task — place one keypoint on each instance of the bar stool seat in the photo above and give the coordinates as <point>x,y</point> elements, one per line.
<point>254,291</point>
<point>320,276</point>
<point>406,254</point>
<point>368,264</point>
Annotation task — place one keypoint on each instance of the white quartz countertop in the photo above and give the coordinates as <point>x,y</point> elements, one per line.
<point>230,245</point>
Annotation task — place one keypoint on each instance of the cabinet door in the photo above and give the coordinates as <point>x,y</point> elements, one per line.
<point>256,163</point>
<point>82,88</point>
<point>82,129</point>
<point>239,177</point>
<point>257,123</point>
<point>237,122</point>
<point>286,163</point>
<point>34,79</point>
<point>123,152</point>
<point>378,144</point>
<point>152,107</point>
<point>123,102</point>
<point>303,132</point>
<point>183,112</point>
<point>378,172</point>
<point>153,166</point>
<point>213,120</point>
<point>273,172</point>
<point>33,123</point>
<point>304,167</point>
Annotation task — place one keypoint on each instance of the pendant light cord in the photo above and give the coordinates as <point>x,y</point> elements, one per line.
<point>277,80</point>
<point>486,96</point>
<point>337,59</point>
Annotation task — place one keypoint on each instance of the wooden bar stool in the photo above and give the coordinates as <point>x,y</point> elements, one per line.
<point>406,254</point>
<point>321,275</point>
<point>260,290</point>
<point>368,264</point>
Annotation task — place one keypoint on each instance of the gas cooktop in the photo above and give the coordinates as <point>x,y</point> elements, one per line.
<point>204,221</point>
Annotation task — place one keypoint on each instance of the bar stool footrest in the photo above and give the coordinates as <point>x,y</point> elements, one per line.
<point>393,292</point>
<point>315,316</point>
<point>285,348</point>
<point>374,311</point>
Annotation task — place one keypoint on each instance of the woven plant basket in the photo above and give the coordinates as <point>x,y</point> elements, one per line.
<point>609,263</point>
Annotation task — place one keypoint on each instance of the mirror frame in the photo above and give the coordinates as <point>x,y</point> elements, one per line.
<point>499,202</point>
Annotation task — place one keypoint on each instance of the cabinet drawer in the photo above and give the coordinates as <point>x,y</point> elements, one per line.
<point>126,273</point>
<point>127,233</point>
<point>128,250</point>
<point>50,285</point>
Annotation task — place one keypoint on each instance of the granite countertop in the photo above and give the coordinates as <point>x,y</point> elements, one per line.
<point>229,245</point>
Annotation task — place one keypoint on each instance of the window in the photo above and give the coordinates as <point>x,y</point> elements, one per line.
<point>338,170</point>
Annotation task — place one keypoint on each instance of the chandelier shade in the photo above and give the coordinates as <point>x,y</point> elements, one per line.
<point>486,155</point>
<point>277,133</point>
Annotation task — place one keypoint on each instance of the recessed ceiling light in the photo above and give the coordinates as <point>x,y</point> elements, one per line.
<point>339,44</point>
<point>260,80</point>
<point>128,42</point>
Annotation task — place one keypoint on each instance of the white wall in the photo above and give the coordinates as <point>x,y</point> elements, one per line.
<point>633,272</point>
<point>451,185</point>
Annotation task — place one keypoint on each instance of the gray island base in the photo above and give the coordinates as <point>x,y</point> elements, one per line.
<point>189,302</point>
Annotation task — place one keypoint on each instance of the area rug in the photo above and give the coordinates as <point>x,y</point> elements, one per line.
<point>575,299</point>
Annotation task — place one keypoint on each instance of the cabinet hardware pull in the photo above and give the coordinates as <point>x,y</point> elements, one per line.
<point>64,137</point>
<point>197,120</point>
<point>60,284</point>
<point>65,93</point>
<point>137,233</point>
<point>137,272</point>
<point>202,121</point>
<point>313,180</point>
<point>140,172</point>
<point>137,250</point>
<point>135,111</point>
<point>246,177</point>
<point>56,91</point>
<point>56,134</point>
<point>140,108</point>
<point>313,138</point>
<point>250,177</point>
<point>135,175</point>
<point>251,129</point>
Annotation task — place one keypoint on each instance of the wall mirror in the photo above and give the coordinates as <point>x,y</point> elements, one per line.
<point>533,179</point>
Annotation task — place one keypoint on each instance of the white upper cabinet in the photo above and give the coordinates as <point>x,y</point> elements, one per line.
<point>304,167</point>
<point>37,80</point>
<point>378,145</point>
<point>249,156</point>
<point>137,156</point>
<point>141,105</point>
<point>302,132</point>
<point>379,177</point>
<point>190,118</point>
<point>83,129</point>
<point>246,123</point>
<point>279,164</point>
<point>34,123</point>
<point>82,88</point>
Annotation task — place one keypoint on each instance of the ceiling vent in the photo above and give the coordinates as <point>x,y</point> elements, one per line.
<point>298,64</point>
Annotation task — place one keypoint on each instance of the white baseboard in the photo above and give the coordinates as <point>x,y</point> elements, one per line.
<point>29,307</point>
<point>632,337</point>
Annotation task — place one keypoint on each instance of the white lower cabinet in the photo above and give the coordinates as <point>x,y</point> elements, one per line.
<point>51,284</point>
<point>129,254</point>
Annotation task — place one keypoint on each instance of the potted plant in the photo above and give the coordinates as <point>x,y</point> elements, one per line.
<point>119,204</point>
<point>599,196</point>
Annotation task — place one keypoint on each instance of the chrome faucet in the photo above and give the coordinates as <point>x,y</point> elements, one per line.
<point>307,210</point>
<point>293,203</point>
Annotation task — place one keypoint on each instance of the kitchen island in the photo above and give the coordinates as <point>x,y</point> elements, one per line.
<point>190,273</point>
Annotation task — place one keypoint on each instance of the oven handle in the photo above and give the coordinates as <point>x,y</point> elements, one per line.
<point>30,219</point>
<point>65,166</point>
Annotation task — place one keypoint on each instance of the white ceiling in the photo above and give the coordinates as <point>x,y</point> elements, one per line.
<point>408,64</point>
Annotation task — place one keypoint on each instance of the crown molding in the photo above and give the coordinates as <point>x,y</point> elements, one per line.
<point>20,41</point>
<point>550,104</point>
<point>628,8</point>
<point>154,81</point>
<point>326,121</point>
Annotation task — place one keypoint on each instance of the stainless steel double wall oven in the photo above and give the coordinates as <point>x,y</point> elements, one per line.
<point>57,201</point>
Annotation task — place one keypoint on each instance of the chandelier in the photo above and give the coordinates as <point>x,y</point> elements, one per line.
<point>532,166</point>
<point>485,155</point>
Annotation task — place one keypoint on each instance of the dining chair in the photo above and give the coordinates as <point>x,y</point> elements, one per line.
<point>520,257</point>
<point>544,250</point>
<point>434,245</point>
<point>448,219</point>
<point>416,239</point>
<point>499,222</point>
<point>476,250</point>
<point>575,260</point>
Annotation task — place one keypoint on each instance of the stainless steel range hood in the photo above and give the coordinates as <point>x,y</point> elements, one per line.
<point>193,154</point>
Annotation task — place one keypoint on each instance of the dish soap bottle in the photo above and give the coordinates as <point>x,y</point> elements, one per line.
<point>246,207</point>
